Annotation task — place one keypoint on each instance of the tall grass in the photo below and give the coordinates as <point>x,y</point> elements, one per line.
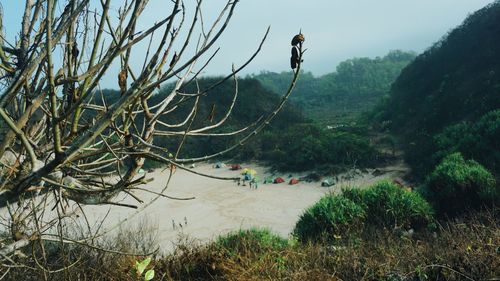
<point>460,249</point>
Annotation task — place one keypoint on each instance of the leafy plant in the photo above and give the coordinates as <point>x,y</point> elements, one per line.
<point>140,266</point>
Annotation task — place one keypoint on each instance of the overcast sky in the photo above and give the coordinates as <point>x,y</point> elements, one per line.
<point>335,30</point>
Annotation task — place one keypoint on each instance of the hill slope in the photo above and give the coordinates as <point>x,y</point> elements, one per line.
<point>253,101</point>
<point>454,82</point>
<point>355,86</point>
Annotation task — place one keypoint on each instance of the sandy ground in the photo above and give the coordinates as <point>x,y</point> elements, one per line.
<point>223,206</point>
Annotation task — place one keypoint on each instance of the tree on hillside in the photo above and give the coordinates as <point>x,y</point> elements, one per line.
<point>54,152</point>
<point>356,86</point>
<point>455,81</point>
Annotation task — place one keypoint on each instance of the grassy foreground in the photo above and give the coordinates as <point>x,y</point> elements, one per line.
<point>461,249</point>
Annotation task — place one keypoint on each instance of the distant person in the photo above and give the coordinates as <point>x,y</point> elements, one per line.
<point>254,182</point>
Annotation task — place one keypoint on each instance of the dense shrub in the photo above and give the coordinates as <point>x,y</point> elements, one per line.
<point>478,140</point>
<point>254,239</point>
<point>388,205</point>
<point>331,215</point>
<point>457,184</point>
<point>305,146</point>
<point>382,205</point>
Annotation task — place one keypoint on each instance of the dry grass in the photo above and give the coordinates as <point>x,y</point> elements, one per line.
<point>463,249</point>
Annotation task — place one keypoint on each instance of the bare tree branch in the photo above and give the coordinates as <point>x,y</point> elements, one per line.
<point>68,144</point>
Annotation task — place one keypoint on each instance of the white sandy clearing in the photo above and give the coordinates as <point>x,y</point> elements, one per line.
<point>222,206</point>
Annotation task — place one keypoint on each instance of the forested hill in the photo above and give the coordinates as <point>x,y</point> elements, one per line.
<point>440,101</point>
<point>253,101</point>
<point>355,86</point>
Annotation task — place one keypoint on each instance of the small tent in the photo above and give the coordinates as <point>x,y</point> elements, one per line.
<point>293,181</point>
<point>279,180</point>
<point>235,167</point>
<point>327,182</point>
<point>268,180</point>
<point>219,165</point>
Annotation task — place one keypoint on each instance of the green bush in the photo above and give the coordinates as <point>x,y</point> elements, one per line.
<point>254,239</point>
<point>391,206</point>
<point>382,205</point>
<point>479,140</point>
<point>457,184</point>
<point>332,214</point>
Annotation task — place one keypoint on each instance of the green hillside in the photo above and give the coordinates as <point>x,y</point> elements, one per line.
<point>290,142</point>
<point>443,101</point>
<point>338,97</point>
<point>253,101</point>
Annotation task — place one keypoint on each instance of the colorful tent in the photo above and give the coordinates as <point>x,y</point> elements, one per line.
<point>279,180</point>
<point>249,171</point>
<point>293,181</point>
<point>235,167</point>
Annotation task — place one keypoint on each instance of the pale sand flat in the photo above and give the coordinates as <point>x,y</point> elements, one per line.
<point>223,206</point>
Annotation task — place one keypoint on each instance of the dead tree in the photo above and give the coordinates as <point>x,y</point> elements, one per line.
<point>50,153</point>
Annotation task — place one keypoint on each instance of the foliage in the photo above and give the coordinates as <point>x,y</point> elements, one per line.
<point>382,205</point>
<point>355,86</point>
<point>254,239</point>
<point>478,140</point>
<point>457,184</point>
<point>332,216</point>
<point>253,102</point>
<point>392,206</point>
<point>139,268</point>
<point>456,80</point>
<point>305,146</point>
<point>289,143</point>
